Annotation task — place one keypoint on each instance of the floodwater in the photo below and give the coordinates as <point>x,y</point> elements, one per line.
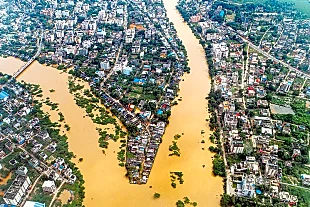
<point>105,181</point>
<point>65,196</point>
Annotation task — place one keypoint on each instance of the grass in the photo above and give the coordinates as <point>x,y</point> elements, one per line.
<point>138,89</point>
<point>133,95</point>
<point>301,5</point>
<point>231,17</point>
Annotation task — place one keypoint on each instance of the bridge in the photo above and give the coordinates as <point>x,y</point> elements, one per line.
<point>24,67</point>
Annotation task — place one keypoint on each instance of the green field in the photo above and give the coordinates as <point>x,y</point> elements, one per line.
<point>301,5</point>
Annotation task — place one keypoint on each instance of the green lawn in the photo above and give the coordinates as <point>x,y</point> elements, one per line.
<point>301,5</point>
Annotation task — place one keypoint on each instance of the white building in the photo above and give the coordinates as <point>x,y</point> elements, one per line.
<point>247,187</point>
<point>271,169</point>
<point>49,186</point>
<point>17,190</point>
<point>105,65</point>
<point>305,179</point>
<point>22,170</point>
<point>236,146</point>
<point>220,50</point>
<point>33,204</point>
<point>287,198</point>
<point>130,34</point>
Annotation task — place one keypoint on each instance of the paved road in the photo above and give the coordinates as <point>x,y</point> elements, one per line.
<point>272,57</point>
<point>56,192</point>
<point>266,53</point>
<point>297,186</point>
<point>276,41</point>
<point>261,40</point>
<point>32,188</point>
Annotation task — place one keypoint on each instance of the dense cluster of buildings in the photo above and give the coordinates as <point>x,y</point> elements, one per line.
<point>143,82</point>
<point>129,53</point>
<point>266,154</point>
<point>26,146</point>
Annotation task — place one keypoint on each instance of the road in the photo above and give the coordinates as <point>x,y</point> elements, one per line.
<point>112,69</point>
<point>297,186</point>
<point>261,40</point>
<point>270,56</point>
<point>229,189</point>
<point>32,188</point>
<point>244,74</point>
<point>56,192</point>
<point>31,155</point>
<point>276,41</point>
<point>303,85</point>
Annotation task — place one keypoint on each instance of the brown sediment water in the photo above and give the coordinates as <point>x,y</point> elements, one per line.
<point>105,181</point>
<point>65,196</point>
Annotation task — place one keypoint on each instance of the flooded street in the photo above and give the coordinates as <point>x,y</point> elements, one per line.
<point>105,181</point>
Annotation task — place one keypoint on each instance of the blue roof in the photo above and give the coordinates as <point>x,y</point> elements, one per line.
<point>34,204</point>
<point>258,192</point>
<point>39,204</point>
<point>171,54</point>
<point>159,112</point>
<point>138,80</point>
<point>127,71</point>
<point>3,95</point>
<point>222,13</point>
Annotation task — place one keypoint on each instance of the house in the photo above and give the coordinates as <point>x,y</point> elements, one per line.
<point>9,145</point>
<point>305,179</point>
<point>33,204</point>
<point>236,146</point>
<point>262,103</point>
<point>4,96</point>
<point>2,154</point>
<point>127,70</point>
<point>49,186</point>
<point>247,186</point>
<point>33,162</point>
<point>230,120</point>
<point>287,198</point>
<point>105,65</point>
<point>22,170</point>
<point>17,190</point>
<point>271,169</point>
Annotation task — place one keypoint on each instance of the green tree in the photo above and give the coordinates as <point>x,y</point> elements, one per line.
<point>156,195</point>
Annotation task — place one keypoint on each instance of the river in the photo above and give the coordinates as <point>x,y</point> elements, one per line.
<point>105,182</point>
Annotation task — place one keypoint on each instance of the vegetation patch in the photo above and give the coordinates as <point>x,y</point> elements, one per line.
<point>186,201</point>
<point>174,149</point>
<point>177,137</point>
<point>176,177</point>
<point>156,195</point>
